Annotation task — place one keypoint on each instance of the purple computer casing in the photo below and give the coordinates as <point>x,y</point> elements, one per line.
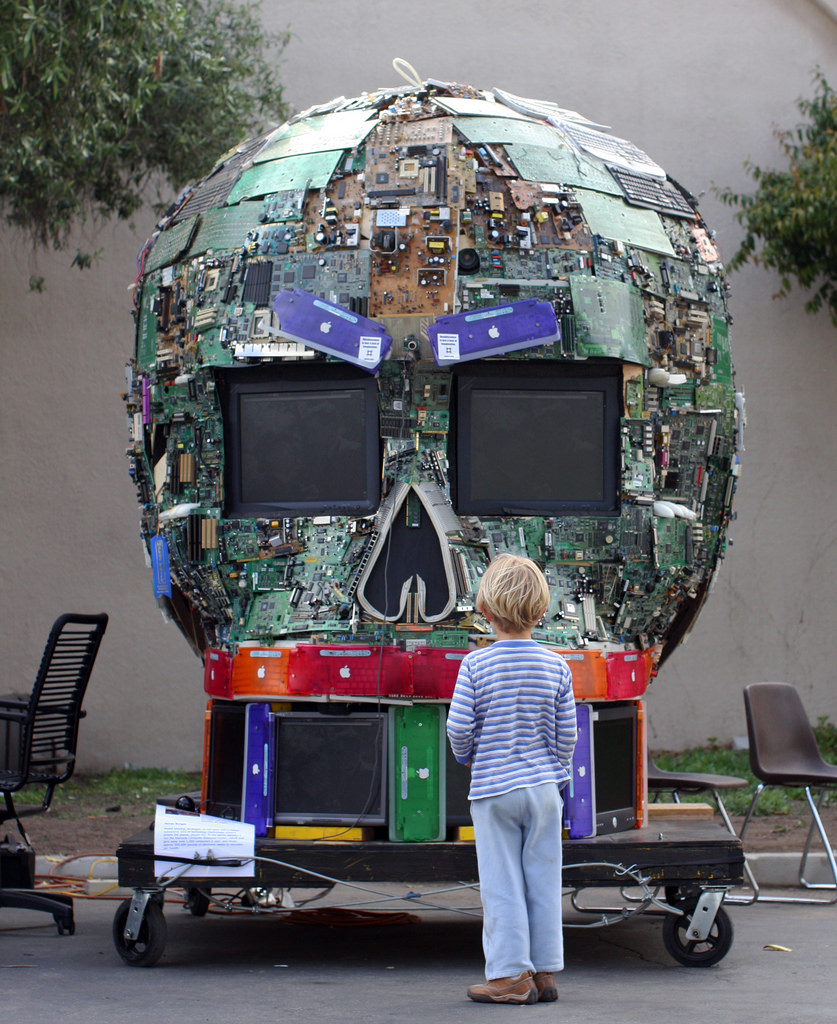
<point>257,785</point>
<point>493,331</point>
<point>579,793</point>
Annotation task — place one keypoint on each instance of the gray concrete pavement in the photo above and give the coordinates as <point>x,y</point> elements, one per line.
<point>258,968</point>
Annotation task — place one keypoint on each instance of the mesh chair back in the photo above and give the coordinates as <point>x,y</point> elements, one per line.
<point>783,748</point>
<point>51,732</point>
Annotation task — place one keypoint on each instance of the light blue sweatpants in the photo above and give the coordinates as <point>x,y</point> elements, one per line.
<point>518,840</point>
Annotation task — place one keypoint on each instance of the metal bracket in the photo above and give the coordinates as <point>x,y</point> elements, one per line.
<point>136,913</point>
<point>704,914</point>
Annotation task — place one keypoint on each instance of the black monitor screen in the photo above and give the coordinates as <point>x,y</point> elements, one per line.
<point>330,769</point>
<point>615,753</point>
<point>225,767</point>
<point>457,787</point>
<point>536,439</point>
<point>300,443</point>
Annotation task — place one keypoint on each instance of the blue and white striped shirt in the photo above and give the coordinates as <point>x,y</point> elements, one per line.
<point>513,716</point>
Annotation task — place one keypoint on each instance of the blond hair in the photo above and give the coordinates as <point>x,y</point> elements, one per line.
<point>514,593</point>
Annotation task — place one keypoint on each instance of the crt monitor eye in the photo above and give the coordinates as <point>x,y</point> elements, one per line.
<point>535,439</point>
<point>300,443</point>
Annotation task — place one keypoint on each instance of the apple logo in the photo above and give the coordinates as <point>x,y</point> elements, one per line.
<point>255,769</point>
<point>262,672</point>
<point>493,331</point>
<point>345,672</point>
<point>325,326</point>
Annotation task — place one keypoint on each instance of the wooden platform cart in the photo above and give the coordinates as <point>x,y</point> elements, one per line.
<point>678,870</point>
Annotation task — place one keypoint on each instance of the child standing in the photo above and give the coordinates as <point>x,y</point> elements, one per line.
<point>512,718</point>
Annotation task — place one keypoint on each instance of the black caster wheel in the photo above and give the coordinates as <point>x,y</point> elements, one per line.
<point>64,926</point>
<point>147,948</point>
<point>197,902</point>
<point>697,952</point>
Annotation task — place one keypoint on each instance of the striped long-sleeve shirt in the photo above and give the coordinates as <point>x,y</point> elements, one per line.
<point>513,716</point>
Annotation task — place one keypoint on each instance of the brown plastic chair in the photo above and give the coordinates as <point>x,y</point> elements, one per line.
<point>784,752</point>
<point>661,781</point>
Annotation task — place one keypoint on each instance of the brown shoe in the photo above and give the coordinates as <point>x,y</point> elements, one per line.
<point>506,990</point>
<point>545,984</point>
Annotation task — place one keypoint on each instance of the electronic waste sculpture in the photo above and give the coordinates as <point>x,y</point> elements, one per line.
<point>400,335</point>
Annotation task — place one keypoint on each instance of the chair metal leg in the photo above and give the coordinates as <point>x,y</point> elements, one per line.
<point>750,809</point>
<point>748,871</point>
<point>12,815</point>
<point>719,803</point>
<point>816,821</point>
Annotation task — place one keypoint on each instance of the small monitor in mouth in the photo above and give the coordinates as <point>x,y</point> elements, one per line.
<point>330,769</point>
<point>615,760</point>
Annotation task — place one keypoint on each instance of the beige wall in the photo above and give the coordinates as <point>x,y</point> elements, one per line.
<point>698,84</point>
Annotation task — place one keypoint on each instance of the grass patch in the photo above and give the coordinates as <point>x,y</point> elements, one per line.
<point>826,733</point>
<point>131,791</point>
<point>714,759</point>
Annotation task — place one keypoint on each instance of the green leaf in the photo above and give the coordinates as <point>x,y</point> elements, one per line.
<point>100,97</point>
<point>790,219</point>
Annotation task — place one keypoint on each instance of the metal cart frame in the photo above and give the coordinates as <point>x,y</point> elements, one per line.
<point>679,870</point>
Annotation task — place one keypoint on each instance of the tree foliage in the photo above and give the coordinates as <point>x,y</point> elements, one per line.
<point>99,96</point>
<point>790,220</point>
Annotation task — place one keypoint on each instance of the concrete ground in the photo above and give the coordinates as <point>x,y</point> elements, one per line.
<point>245,968</point>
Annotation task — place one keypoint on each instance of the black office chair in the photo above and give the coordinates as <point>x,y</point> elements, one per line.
<point>41,734</point>
<point>661,781</point>
<point>784,752</point>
